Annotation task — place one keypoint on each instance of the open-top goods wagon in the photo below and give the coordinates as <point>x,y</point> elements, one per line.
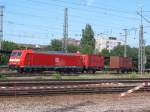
<point>121,64</point>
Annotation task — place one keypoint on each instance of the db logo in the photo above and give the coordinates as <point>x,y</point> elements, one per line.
<point>57,60</point>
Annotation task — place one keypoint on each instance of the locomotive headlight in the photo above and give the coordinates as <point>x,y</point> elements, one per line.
<point>14,60</point>
<point>17,60</point>
<point>11,60</point>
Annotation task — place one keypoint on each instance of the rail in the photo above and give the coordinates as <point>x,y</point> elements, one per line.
<point>52,87</point>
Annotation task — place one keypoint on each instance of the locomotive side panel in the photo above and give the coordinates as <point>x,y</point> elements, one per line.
<point>52,61</point>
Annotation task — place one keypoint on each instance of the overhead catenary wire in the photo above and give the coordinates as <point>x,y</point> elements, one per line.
<point>98,7</point>
<point>77,18</point>
<point>73,15</point>
<point>93,7</point>
<point>96,25</point>
<point>33,36</point>
<point>36,27</point>
<point>106,12</point>
<point>33,25</point>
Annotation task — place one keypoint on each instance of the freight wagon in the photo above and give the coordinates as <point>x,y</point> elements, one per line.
<point>121,64</point>
<point>29,61</point>
<point>93,63</point>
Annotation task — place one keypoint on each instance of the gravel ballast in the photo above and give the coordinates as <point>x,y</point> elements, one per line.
<point>135,102</point>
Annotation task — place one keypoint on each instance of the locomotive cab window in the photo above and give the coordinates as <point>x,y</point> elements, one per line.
<point>16,53</point>
<point>19,53</point>
<point>13,53</point>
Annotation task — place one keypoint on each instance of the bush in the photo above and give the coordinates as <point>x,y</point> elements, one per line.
<point>4,59</point>
<point>2,76</point>
<point>133,75</point>
<point>57,76</point>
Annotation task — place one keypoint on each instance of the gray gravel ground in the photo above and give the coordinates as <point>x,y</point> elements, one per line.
<point>135,102</point>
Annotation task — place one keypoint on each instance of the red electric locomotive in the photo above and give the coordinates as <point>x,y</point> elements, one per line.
<point>28,60</point>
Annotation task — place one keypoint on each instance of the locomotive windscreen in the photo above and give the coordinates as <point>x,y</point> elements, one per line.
<point>16,53</point>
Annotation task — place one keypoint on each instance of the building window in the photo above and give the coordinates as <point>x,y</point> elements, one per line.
<point>107,46</point>
<point>112,38</point>
<point>119,43</point>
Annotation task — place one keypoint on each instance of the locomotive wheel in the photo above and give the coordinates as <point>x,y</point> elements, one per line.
<point>20,70</point>
<point>87,71</point>
<point>82,71</point>
<point>123,71</point>
<point>118,71</point>
<point>93,71</point>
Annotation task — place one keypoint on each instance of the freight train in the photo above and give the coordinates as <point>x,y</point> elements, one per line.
<point>30,61</point>
<point>33,61</point>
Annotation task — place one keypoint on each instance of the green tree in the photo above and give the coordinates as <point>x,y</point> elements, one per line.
<point>117,51</point>
<point>87,41</point>
<point>147,53</point>
<point>56,45</point>
<point>9,46</point>
<point>73,48</point>
<point>105,52</point>
<point>47,48</point>
<point>4,59</point>
<point>131,52</point>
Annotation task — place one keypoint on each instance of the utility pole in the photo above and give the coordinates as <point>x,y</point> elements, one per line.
<point>141,55</point>
<point>65,31</point>
<point>1,26</point>
<point>125,42</point>
<point>145,58</point>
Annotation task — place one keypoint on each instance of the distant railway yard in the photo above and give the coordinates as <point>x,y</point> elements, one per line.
<point>78,81</point>
<point>74,56</point>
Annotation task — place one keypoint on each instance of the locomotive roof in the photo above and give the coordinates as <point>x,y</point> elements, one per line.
<point>54,52</point>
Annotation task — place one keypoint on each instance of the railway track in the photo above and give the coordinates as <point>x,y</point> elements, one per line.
<point>30,74</point>
<point>51,87</point>
<point>80,81</point>
<point>3,68</point>
<point>8,73</point>
<point>63,90</point>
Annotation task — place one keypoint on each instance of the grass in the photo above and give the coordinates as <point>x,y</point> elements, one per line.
<point>3,76</point>
<point>56,76</point>
<point>100,76</point>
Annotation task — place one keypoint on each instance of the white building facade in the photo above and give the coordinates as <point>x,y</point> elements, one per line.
<point>107,43</point>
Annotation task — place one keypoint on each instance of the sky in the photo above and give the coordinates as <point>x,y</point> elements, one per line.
<point>39,21</point>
